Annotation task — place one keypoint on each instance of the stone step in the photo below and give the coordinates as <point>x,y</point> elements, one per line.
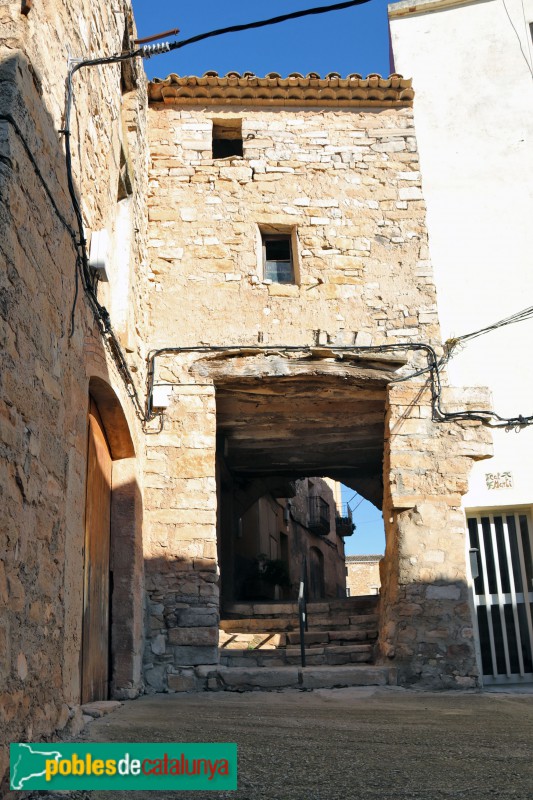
<point>273,641</point>
<point>243,679</point>
<point>317,656</point>
<point>283,624</point>
<point>346,605</point>
<point>350,635</point>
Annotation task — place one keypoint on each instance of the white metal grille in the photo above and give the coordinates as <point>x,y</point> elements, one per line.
<point>502,574</point>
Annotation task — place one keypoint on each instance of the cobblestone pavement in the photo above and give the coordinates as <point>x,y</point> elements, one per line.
<point>341,744</point>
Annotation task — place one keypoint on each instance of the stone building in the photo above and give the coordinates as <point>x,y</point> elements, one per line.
<point>362,574</point>
<point>286,216</point>
<point>268,283</point>
<point>277,537</point>
<point>58,376</point>
<point>468,163</point>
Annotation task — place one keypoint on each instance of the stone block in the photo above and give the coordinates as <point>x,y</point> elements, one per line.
<point>241,174</point>
<point>410,193</point>
<point>62,717</point>
<point>192,656</point>
<point>205,671</point>
<point>242,678</point>
<point>450,592</point>
<point>339,676</point>
<point>283,290</point>
<point>76,723</point>
<point>198,637</point>
<point>267,609</point>
<point>184,681</point>
<point>158,644</point>
<point>156,677</point>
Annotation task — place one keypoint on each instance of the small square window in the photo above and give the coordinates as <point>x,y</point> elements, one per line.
<point>278,265</point>
<point>227,138</point>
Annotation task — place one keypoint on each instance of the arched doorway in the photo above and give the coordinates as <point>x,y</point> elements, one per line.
<point>112,554</point>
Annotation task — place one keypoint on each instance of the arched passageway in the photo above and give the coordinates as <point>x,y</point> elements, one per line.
<point>318,418</point>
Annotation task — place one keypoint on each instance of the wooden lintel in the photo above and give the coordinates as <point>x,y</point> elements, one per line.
<point>358,370</point>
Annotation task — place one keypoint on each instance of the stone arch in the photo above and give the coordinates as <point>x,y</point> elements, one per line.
<point>113,417</point>
<point>125,545</point>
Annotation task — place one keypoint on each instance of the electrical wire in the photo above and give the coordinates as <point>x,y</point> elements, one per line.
<point>518,37</point>
<point>519,316</point>
<point>358,504</point>
<point>101,314</point>
<point>433,368</point>
<point>11,121</point>
<point>262,23</point>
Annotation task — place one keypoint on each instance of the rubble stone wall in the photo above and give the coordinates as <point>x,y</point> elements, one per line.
<point>347,181</point>
<point>346,184</point>
<point>180,537</point>
<point>46,368</point>
<point>426,626</point>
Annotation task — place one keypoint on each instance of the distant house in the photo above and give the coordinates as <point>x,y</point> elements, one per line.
<point>362,575</point>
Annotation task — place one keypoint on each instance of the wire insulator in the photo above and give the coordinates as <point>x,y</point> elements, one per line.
<point>150,50</point>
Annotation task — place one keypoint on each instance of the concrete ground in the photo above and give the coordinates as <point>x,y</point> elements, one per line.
<point>342,744</point>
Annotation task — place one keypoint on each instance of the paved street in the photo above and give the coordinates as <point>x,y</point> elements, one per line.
<point>343,744</point>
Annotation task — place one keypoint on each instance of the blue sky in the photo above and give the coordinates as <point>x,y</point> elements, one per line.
<point>369,536</point>
<point>352,40</point>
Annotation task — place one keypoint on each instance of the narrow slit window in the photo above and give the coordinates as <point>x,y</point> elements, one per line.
<point>278,258</point>
<point>227,138</point>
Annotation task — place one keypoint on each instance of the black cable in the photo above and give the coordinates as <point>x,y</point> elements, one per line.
<point>519,316</point>
<point>262,23</point>
<point>489,418</point>
<point>149,50</point>
<point>433,367</point>
<point>76,291</point>
<point>11,121</point>
<point>100,313</point>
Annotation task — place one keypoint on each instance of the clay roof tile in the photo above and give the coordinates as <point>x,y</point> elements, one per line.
<point>295,89</point>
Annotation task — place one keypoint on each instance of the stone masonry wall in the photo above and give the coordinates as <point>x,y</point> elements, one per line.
<point>426,618</point>
<point>362,576</point>
<point>45,371</point>
<point>348,181</point>
<point>180,540</point>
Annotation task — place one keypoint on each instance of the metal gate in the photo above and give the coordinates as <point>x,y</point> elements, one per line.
<point>502,574</point>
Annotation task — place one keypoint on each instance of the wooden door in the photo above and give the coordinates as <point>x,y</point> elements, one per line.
<point>317,589</point>
<point>95,645</point>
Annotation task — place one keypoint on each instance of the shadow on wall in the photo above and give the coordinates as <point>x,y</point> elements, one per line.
<point>427,633</point>
<point>182,615</point>
<point>44,403</point>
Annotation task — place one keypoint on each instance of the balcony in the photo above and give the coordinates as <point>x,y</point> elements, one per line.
<point>343,521</point>
<point>318,516</point>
